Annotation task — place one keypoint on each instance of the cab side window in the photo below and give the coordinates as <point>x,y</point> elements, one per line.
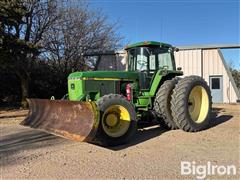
<point>165,60</point>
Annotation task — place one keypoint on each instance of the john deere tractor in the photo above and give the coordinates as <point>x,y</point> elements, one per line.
<point>104,106</point>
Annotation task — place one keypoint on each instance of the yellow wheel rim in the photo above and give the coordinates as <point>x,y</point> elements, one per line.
<point>116,121</point>
<point>198,104</point>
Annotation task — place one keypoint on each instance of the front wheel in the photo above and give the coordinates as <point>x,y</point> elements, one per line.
<point>191,104</point>
<point>117,120</point>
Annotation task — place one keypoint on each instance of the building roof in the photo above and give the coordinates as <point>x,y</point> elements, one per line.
<point>155,43</point>
<point>218,46</point>
<point>148,43</point>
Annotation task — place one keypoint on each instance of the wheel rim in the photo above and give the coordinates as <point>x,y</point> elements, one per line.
<point>198,104</point>
<point>116,121</point>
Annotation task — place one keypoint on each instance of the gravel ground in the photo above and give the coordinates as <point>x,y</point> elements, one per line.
<point>154,153</point>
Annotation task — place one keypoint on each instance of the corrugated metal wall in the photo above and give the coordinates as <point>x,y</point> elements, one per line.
<point>212,64</point>
<point>190,61</point>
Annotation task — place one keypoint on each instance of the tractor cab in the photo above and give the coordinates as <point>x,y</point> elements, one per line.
<point>149,57</point>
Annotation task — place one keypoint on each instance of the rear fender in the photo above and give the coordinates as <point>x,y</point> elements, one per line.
<point>160,77</point>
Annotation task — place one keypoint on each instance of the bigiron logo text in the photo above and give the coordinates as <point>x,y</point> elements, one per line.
<point>201,171</point>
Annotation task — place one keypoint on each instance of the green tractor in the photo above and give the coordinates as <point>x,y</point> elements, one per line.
<point>104,107</point>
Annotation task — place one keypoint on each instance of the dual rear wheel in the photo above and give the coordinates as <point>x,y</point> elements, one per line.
<point>184,103</point>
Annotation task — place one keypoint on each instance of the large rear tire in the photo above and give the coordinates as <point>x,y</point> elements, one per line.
<point>118,121</point>
<point>191,104</point>
<point>162,104</point>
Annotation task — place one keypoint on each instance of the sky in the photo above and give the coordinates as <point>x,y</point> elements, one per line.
<point>183,22</point>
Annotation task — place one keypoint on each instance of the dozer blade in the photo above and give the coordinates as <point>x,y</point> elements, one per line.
<point>69,119</point>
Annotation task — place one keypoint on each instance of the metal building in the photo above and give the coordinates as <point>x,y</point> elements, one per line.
<point>205,61</point>
<point>209,63</point>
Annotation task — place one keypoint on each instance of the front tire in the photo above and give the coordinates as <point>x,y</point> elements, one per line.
<point>191,104</point>
<point>118,121</point>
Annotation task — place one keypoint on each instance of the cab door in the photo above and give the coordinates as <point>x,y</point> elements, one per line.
<point>147,63</point>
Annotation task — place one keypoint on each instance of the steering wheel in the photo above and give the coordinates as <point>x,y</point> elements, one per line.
<point>142,64</point>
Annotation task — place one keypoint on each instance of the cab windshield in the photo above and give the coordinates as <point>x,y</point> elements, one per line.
<point>150,59</point>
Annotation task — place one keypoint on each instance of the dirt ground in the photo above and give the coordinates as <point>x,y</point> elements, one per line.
<point>154,152</point>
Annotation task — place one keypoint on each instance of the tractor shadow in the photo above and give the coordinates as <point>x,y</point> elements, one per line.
<point>12,114</point>
<point>23,140</point>
<point>148,131</point>
<point>218,117</point>
<point>145,132</point>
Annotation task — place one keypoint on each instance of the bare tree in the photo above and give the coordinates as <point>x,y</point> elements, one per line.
<point>22,37</point>
<point>78,31</point>
<point>54,32</point>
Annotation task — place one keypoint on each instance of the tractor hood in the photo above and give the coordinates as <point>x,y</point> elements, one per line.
<point>104,75</point>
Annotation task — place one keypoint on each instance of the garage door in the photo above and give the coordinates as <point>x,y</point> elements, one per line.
<point>216,86</point>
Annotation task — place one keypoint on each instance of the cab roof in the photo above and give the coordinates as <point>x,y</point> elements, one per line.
<point>147,43</point>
